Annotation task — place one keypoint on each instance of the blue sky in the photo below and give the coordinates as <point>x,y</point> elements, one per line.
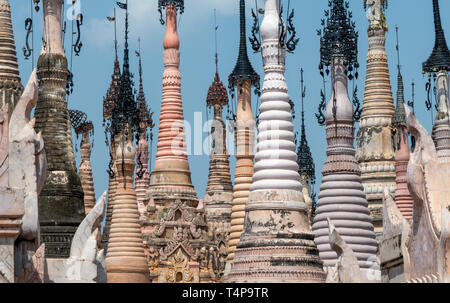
<point>92,69</point>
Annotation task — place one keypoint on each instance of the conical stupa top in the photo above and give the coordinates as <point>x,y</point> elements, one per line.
<point>305,160</point>
<point>144,113</point>
<point>9,67</point>
<point>125,110</point>
<point>217,93</point>
<point>399,118</point>
<point>440,57</point>
<point>243,69</point>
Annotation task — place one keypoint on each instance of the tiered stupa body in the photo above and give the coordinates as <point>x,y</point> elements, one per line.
<point>375,152</point>
<point>61,206</point>
<point>403,197</point>
<point>178,226</point>
<point>439,65</point>
<point>10,87</point>
<point>142,156</point>
<point>277,243</point>
<point>108,103</point>
<point>342,197</point>
<point>125,259</point>
<point>242,78</point>
<point>219,193</point>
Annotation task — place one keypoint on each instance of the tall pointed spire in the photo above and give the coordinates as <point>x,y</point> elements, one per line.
<point>374,150</point>
<point>440,57</point>
<point>242,78</point>
<point>125,259</point>
<point>219,193</point>
<point>173,212</point>
<point>243,69</point>
<point>277,242</point>
<point>142,155</point>
<point>10,87</point>
<point>306,166</point>
<point>61,206</point>
<point>342,198</point>
<point>109,101</point>
<point>403,197</point>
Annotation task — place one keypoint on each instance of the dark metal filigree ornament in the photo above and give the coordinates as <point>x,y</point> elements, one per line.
<point>338,39</point>
<point>254,40</point>
<point>243,69</point>
<point>36,5</point>
<point>27,50</point>
<point>78,44</point>
<point>304,156</point>
<point>162,4</point>
<point>125,115</point>
<point>289,43</point>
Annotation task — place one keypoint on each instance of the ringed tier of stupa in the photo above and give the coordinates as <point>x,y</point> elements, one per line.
<point>374,148</point>
<point>61,205</point>
<point>342,198</point>
<point>277,242</point>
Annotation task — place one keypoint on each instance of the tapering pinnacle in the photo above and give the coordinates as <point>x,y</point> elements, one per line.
<point>440,57</point>
<point>243,69</point>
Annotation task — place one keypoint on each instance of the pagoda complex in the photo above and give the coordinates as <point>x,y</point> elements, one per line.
<point>342,198</point>
<point>277,243</point>
<point>109,100</point>
<point>306,166</point>
<point>374,150</point>
<point>242,78</point>
<point>177,225</point>
<point>61,206</point>
<point>125,259</point>
<point>10,87</point>
<point>438,66</point>
<point>81,126</point>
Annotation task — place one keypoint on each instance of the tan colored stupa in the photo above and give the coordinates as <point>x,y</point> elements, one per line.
<point>242,78</point>
<point>374,149</point>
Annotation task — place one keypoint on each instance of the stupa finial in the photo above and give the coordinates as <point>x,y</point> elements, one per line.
<point>440,57</point>
<point>305,159</point>
<point>243,69</point>
<point>399,117</point>
<point>124,112</point>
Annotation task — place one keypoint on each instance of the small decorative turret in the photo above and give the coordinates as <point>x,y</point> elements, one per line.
<point>142,155</point>
<point>111,98</point>
<point>86,129</point>
<point>403,198</point>
<point>306,166</point>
